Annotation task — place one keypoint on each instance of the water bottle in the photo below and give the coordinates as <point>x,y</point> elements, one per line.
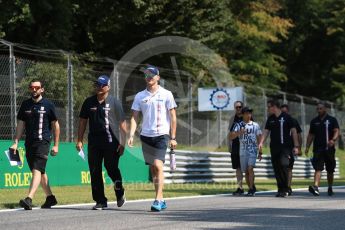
<point>172,160</point>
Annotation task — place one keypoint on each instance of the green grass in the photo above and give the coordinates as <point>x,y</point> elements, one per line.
<point>82,194</point>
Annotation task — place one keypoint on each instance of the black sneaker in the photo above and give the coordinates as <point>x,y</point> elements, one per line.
<point>254,188</point>
<point>121,200</point>
<point>26,203</point>
<point>50,201</point>
<point>330,191</point>
<point>282,194</point>
<point>289,191</point>
<point>314,190</point>
<point>238,192</point>
<point>251,192</point>
<point>100,206</point>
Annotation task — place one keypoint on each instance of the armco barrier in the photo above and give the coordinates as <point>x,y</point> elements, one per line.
<point>68,168</point>
<point>216,166</point>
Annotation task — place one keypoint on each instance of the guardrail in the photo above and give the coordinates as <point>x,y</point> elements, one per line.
<point>195,166</point>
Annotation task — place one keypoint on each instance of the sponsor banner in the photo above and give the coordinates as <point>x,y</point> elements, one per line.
<point>214,99</point>
<point>68,167</point>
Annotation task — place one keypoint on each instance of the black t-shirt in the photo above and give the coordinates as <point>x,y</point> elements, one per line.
<point>37,117</point>
<point>323,131</point>
<point>280,130</point>
<point>235,142</point>
<point>104,118</point>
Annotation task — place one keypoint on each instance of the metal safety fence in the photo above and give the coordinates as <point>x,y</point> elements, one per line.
<point>68,80</point>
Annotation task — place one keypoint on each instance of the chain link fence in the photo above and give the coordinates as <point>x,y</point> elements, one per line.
<point>68,80</point>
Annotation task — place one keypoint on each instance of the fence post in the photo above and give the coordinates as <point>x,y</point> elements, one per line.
<point>303,120</point>
<point>13,91</point>
<point>190,110</point>
<point>70,102</point>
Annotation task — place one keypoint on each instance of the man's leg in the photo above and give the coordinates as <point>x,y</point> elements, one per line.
<point>95,158</point>
<point>239,176</point>
<point>45,185</point>
<point>250,173</point>
<point>35,182</point>
<point>330,178</point>
<point>158,178</point>
<point>317,178</point>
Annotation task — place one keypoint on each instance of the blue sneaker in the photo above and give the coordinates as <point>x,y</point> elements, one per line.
<point>163,204</point>
<point>156,206</point>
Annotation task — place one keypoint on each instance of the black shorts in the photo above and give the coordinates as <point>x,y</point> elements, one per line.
<point>326,157</point>
<point>37,155</point>
<point>154,148</point>
<point>235,157</point>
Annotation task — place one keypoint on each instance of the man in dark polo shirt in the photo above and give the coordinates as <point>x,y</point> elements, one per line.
<point>285,108</point>
<point>234,147</point>
<point>37,117</point>
<point>324,132</point>
<point>106,140</point>
<point>280,126</point>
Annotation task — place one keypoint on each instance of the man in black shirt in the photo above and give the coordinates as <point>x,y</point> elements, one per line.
<point>37,116</point>
<point>280,126</point>
<point>285,108</point>
<point>106,140</point>
<point>234,147</point>
<point>324,132</point>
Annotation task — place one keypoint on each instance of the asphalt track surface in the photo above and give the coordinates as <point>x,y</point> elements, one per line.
<point>264,211</point>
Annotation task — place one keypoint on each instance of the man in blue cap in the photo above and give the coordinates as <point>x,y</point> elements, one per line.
<point>106,140</point>
<point>157,106</point>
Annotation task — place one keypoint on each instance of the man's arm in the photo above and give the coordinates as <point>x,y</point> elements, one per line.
<point>56,130</point>
<point>310,140</point>
<point>295,140</point>
<point>264,136</point>
<point>173,123</point>
<point>81,131</point>
<point>133,126</point>
<point>335,137</point>
<point>19,132</point>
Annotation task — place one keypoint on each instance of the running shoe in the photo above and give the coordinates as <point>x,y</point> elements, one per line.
<point>50,201</point>
<point>156,206</point>
<point>26,203</point>
<point>314,190</point>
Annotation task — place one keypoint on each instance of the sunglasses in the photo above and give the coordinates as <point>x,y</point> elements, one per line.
<point>34,87</point>
<point>100,85</point>
<point>319,108</point>
<point>238,107</point>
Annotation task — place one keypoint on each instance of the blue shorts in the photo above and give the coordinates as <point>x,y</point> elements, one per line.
<point>154,148</point>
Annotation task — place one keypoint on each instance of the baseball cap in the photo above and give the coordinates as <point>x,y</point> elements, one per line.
<point>247,109</point>
<point>151,71</point>
<point>103,80</point>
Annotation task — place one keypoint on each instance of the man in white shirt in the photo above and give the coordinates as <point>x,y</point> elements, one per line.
<point>157,106</point>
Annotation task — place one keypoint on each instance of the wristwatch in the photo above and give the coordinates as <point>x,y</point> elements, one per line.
<point>173,139</point>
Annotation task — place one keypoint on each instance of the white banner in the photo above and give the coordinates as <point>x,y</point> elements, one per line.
<point>214,99</point>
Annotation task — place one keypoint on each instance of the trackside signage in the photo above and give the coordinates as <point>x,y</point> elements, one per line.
<point>68,168</point>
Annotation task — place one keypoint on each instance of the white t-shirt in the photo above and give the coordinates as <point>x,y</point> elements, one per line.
<point>248,141</point>
<point>155,108</point>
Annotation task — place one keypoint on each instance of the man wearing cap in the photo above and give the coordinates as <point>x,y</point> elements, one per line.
<point>249,134</point>
<point>285,108</point>
<point>106,140</point>
<point>280,127</point>
<point>323,132</point>
<point>37,117</point>
<point>157,106</point>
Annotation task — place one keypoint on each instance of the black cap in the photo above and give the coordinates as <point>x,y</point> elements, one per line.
<point>247,109</point>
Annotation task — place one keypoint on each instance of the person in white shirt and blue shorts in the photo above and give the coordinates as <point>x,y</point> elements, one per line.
<point>158,132</point>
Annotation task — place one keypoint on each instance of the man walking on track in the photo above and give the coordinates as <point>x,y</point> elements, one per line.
<point>106,140</point>
<point>285,108</point>
<point>158,109</point>
<point>234,148</point>
<point>37,116</point>
<point>324,132</point>
<point>280,126</point>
